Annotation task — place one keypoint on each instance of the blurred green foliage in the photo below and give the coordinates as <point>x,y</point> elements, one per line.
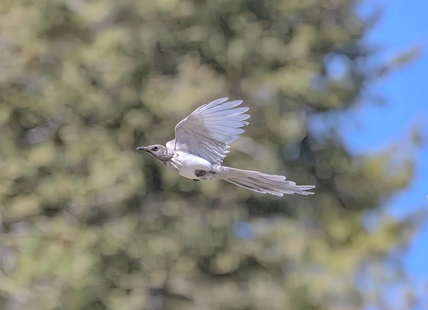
<point>88,223</point>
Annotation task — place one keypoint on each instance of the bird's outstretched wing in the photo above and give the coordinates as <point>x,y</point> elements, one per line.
<point>209,129</point>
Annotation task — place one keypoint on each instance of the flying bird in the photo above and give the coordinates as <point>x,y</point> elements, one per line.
<point>202,142</point>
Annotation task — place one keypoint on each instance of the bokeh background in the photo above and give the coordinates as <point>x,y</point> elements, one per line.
<point>337,100</point>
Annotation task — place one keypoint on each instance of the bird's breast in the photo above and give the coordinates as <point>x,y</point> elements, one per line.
<point>189,163</point>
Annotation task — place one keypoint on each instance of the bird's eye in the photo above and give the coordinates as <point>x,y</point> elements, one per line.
<point>155,148</point>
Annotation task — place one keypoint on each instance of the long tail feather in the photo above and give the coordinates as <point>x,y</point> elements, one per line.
<point>262,183</point>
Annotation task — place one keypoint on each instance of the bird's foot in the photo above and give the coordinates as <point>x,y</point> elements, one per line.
<point>200,173</point>
<point>195,180</point>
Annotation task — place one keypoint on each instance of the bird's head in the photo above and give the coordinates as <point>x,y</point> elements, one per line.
<point>158,151</point>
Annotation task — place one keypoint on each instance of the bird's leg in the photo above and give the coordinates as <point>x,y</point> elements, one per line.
<point>200,173</point>
<point>205,175</point>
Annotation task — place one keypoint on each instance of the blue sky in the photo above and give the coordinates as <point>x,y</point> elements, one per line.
<point>403,25</point>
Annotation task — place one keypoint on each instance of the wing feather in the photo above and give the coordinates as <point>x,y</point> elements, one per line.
<point>208,130</point>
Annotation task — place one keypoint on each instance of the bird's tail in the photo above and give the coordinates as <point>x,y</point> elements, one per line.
<point>262,183</point>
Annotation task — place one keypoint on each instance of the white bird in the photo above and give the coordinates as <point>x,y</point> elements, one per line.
<point>201,144</point>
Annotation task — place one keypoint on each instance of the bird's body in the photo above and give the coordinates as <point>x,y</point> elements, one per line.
<point>191,163</point>
<point>201,143</point>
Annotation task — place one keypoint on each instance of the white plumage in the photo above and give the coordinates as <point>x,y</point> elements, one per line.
<point>209,129</point>
<point>201,144</point>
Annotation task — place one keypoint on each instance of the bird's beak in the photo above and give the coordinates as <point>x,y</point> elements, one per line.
<point>142,148</point>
